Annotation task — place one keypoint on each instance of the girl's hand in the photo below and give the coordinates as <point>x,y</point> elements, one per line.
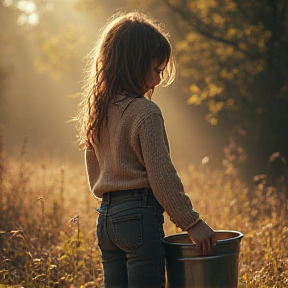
<point>203,236</point>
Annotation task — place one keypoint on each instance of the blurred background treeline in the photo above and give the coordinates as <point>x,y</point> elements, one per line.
<point>225,114</point>
<point>232,82</point>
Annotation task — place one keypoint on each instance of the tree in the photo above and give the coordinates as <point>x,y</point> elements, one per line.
<point>234,57</point>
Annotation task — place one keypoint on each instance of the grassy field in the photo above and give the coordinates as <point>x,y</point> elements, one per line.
<point>47,224</point>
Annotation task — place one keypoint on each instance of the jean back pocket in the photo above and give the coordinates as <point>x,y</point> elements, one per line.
<point>128,231</point>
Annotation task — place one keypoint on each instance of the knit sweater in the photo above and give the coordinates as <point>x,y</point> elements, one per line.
<point>134,153</point>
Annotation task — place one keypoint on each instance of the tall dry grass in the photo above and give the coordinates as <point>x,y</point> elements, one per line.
<point>47,223</point>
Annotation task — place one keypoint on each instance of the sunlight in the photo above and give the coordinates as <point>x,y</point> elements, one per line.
<point>7,3</point>
<point>29,13</point>
<point>29,10</point>
<point>41,162</point>
<point>26,6</point>
<point>33,19</point>
<point>22,19</point>
<point>205,160</point>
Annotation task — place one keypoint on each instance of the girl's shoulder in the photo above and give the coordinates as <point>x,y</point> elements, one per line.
<point>137,109</point>
<point>145,107</point>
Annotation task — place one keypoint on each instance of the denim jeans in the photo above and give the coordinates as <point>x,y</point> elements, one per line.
<point>130,234</point>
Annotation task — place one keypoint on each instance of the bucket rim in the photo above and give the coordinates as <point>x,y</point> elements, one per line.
<point>219,242</point>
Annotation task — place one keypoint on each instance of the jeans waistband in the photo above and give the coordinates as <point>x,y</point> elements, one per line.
<point>114,195</point>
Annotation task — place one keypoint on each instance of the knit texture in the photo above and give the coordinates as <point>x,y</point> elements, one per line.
<point>134,153</point>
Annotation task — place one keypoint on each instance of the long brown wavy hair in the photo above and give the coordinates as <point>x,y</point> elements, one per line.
<point>118,64</point>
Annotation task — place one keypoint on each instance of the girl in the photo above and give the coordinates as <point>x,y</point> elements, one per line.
<point>127,153</point>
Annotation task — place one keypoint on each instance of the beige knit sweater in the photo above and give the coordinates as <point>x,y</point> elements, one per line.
<point>134,153</point>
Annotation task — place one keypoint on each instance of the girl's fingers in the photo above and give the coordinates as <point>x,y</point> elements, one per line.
<point>214,241</point>
<point>209,245</point>
<point>204,248</point>
<point>198,247</point>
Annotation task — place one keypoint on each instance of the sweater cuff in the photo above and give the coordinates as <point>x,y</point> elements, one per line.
<point>192,224</point>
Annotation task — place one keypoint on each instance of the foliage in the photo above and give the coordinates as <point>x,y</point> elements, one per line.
<point>261,213</point>
<point>43,244</point>
<point>59,52</point>
<point>89,5</point>
<point>234,56</point>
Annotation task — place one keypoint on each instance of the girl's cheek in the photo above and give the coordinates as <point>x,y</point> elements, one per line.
<point>158,80</point>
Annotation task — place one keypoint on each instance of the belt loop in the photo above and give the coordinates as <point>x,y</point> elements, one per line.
<point>109,198</point>
<point>145,195</point>
<point>106,198</point>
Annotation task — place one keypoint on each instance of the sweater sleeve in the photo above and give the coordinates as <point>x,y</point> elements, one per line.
<point>92,168</point>
<point>163,178</point>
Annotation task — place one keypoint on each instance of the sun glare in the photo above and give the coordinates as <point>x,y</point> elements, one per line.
<point>22,19</point>
<point>26,6</point>
<point>29,14</point>
<point>7,3</point>
<point>205,160</point>
<point>29,10</point>
<point>33,19</point>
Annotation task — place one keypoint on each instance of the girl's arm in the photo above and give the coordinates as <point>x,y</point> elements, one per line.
<point>167,186</point>
<point>163,178</point>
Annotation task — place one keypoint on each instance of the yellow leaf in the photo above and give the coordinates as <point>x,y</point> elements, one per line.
<point>183,45</point>
<point>203,95</point>
<point>243,46</point>
<point>232,32</point>
<point>214,90</point>
<point>245,278</point>
<point>213,121</point>
<point>247,31</point>
<point>191,37</point>
<point>193,99</point>
<point>231,6</point>
<point>261,44</point>
<point>223,73</point>
<point>195,89</point>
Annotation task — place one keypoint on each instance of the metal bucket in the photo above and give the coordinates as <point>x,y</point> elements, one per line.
<point>186,269</point>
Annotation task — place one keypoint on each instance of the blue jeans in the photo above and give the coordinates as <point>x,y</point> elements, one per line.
<point>130,234</point>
